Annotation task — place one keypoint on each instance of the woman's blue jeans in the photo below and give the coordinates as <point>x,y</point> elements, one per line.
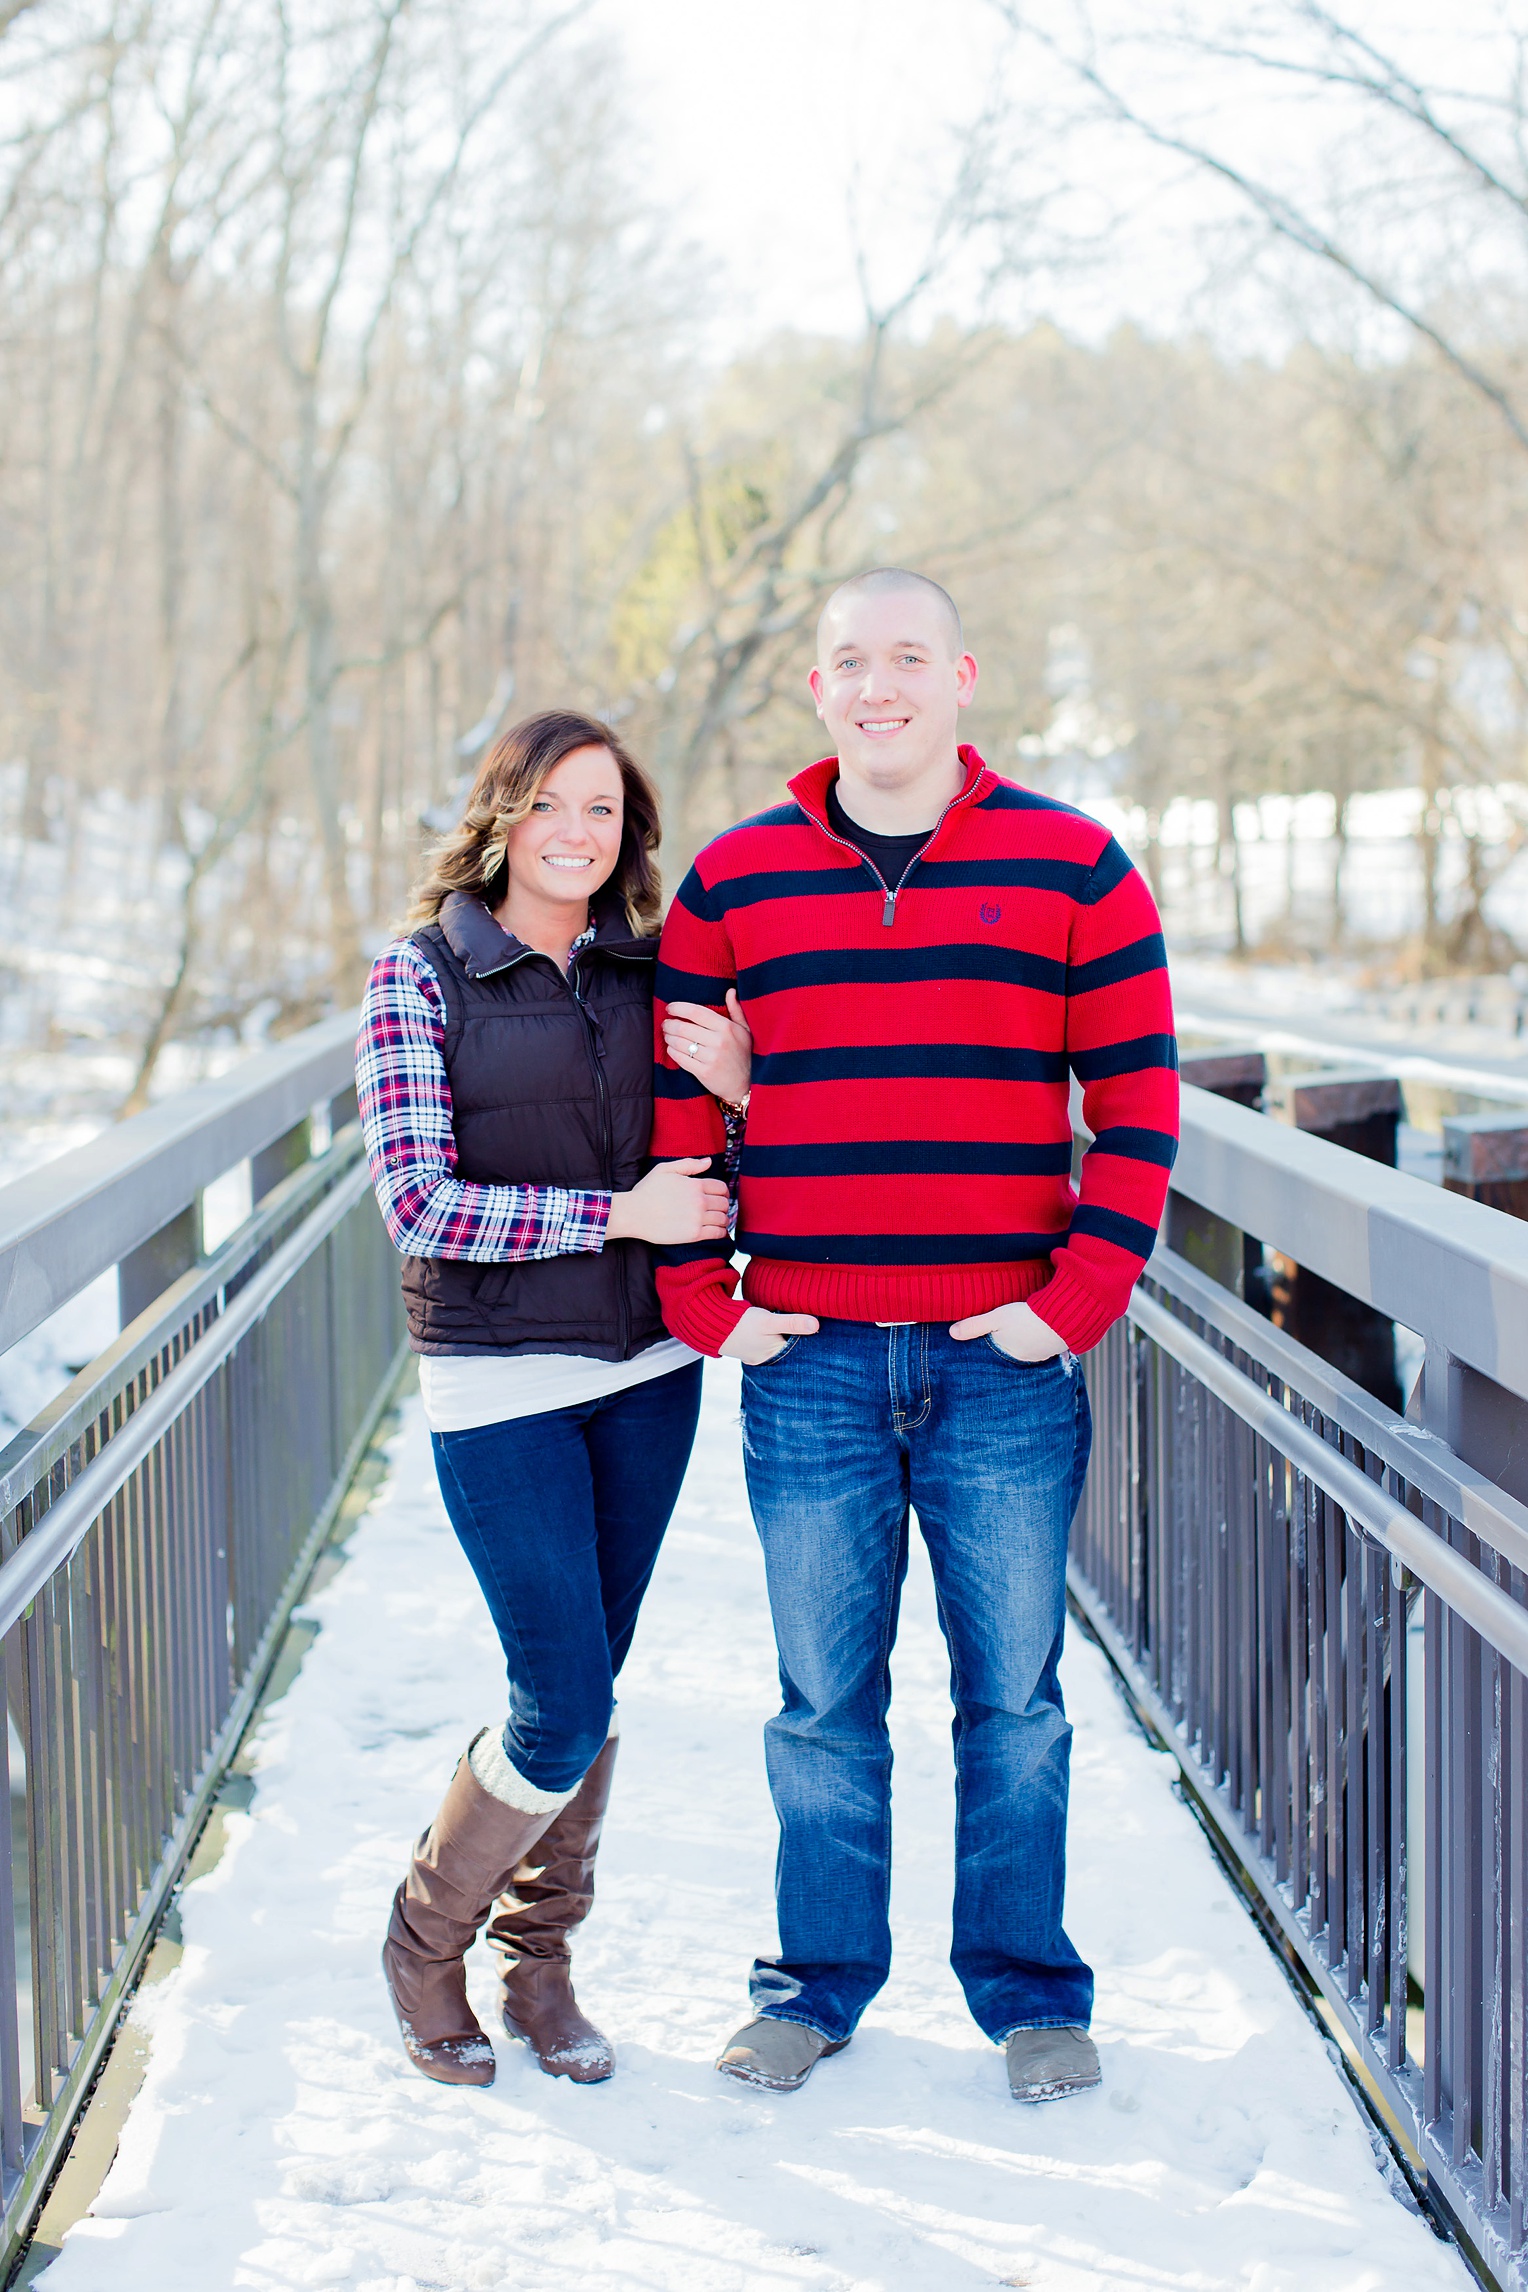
<point>561,1516</point>
<point>842,1432</point>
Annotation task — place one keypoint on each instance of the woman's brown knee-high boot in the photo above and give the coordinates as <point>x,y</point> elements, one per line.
<point>465,1858</point>
<point>549,1894</point>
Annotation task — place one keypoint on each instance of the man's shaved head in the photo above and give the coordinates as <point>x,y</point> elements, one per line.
<point>882,581</point>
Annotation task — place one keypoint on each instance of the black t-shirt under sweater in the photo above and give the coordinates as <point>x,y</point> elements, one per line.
<point>891,856</point>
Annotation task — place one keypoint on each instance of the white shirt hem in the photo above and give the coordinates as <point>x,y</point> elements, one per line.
<point>464,1391</point>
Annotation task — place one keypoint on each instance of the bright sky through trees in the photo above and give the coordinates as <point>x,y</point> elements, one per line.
<point>370,369</point>
<point>771,122</point>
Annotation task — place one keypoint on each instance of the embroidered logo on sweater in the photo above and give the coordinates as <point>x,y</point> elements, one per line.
<point>991,913</point>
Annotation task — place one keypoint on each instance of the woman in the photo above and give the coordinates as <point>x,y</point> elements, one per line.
<point>505,1075</point>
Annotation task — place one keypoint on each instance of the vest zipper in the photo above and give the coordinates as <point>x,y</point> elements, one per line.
<point>607,1133</point>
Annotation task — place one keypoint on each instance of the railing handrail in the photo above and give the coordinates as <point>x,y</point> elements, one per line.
<point>159,1520</point>
<point>1421,1458</point>
<point>1436,1564</point>
<point>1451,1269</point>
<point>63,1526</point>
<point>1286,1575</point>
<point>77,1216</point>
<point>1248,1032</point>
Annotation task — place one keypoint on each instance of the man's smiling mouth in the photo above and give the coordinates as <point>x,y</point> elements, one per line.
<point>882,727</point>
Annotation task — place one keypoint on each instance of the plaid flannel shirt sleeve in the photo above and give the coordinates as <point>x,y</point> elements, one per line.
<point>405,1103</point>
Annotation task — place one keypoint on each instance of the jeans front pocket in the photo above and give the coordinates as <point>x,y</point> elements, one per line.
<point>1065,1362</point>
<point>788,1347</point>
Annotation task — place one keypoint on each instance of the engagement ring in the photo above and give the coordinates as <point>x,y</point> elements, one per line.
<point>694,1050</point>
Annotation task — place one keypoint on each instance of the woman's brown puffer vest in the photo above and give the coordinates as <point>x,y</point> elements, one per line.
<point>552,1085</point>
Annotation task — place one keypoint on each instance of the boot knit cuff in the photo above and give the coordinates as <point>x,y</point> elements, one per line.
<point>492,1770</point>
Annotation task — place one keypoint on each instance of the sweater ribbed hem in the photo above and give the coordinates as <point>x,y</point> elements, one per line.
<point>891,1293</point>
<point>706,1315</point>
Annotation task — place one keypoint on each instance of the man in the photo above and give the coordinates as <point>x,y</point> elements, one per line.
<point>923,951</point>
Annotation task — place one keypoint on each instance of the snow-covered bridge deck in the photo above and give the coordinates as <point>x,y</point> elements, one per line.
<point>281,2139</point>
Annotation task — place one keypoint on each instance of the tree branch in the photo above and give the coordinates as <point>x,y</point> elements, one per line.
<point>1286,220</point>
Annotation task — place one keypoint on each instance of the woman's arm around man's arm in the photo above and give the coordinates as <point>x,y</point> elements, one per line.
<point>405,1102</point>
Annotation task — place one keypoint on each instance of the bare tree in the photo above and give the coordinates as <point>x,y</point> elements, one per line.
<point>773,518</point>
<point>251,269</point>
<point>1477,138</point>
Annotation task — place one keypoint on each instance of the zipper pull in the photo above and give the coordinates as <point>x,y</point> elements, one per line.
<point>889,911</point>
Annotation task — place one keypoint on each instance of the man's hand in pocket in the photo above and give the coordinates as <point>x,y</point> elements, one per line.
<point>1016,1330</point>
<point>759,1336</point>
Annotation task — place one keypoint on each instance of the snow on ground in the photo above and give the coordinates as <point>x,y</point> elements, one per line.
<point>282,2140</point>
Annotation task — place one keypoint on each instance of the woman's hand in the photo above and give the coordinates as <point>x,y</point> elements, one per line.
<point>1016,1330</point>
<point>671,1204</point>
<point>715,1046</point>
<point>759,1336</point>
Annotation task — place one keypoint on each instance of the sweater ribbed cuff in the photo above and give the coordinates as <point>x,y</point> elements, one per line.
<point>1074,1309</point>
<point>707,1319</point>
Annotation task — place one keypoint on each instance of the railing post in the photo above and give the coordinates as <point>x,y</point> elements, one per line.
<point>147,1272</point>
<point>1212,1245</point>
<point>1241,1076</point>
<point>1361,1112</point>
<point>278,1160</point>
<point>1488,1427</point>
<point>1485,1156</point>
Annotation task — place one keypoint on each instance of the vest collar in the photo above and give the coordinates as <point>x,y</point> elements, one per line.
<point>483,947</point>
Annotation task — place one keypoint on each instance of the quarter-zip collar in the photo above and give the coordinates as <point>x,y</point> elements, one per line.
<point>810,789</point>
<point>483,947</point>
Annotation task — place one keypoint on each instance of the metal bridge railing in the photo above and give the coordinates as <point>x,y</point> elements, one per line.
<point>1322,1608</point>
<point>157,1523</point>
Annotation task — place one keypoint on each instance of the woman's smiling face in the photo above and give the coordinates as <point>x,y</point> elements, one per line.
<point>568,844</point>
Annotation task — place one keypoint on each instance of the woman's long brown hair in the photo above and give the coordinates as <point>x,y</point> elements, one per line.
<point>472,857</point>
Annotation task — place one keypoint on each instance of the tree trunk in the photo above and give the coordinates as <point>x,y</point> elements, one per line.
<point>1228,858</point>
<point>316,609</point>
<point>1153,854</point>
<point>1335,930</point>
<point>171,578</point>
<point>1430,854</point>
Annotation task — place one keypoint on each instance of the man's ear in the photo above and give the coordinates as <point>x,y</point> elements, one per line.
<point>966,673</point>
<point>815,681</point>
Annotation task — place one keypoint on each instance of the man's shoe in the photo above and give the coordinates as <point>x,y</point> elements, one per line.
<point>1048,2064</point>
<point>779,2055</point>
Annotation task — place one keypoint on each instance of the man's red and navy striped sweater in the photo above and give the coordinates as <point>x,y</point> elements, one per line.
<point>908,1149</point>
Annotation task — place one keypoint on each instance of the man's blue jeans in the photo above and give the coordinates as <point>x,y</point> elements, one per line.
<point>561,1516</point>
<point>842,1432</point>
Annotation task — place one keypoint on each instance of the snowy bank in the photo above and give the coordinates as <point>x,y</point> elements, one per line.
<point>281,2139</point>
